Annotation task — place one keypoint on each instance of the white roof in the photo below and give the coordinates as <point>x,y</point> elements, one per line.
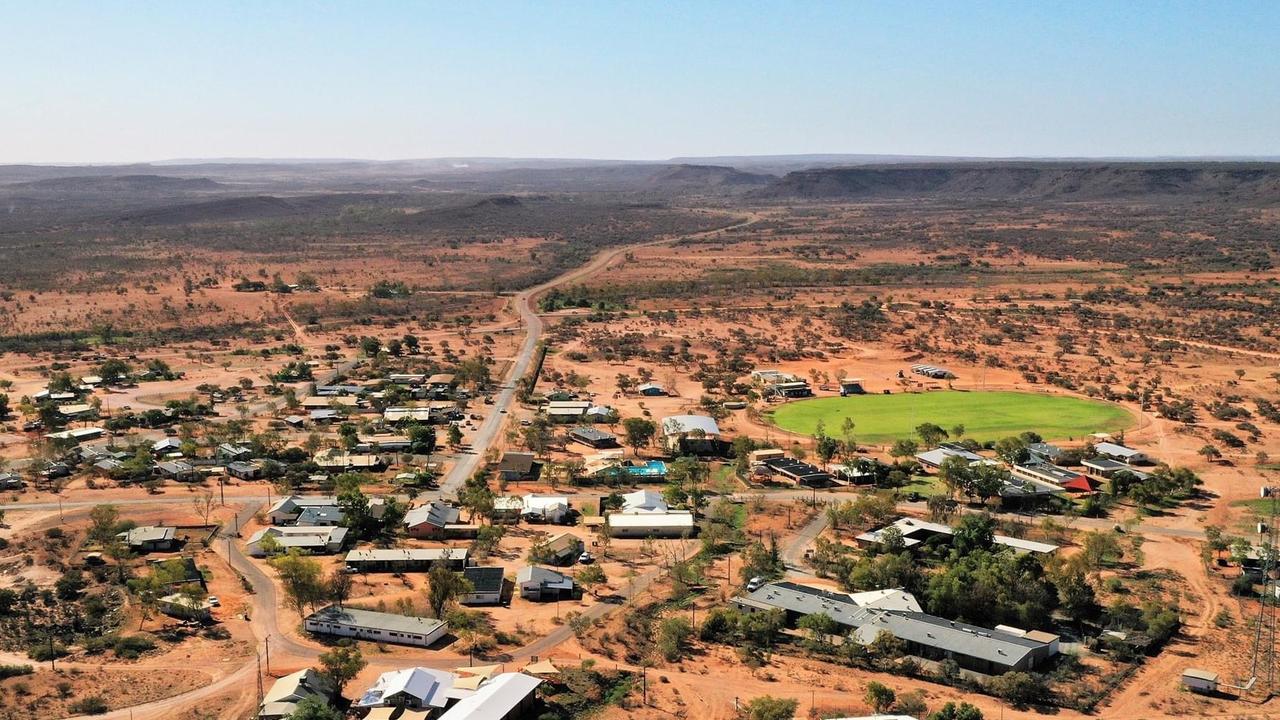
<point>495,699</point>
<point>893,599</point>
<point>428,685</point>
<point>679,519</point>
<point>534,502</point>
<point>644,501</point>
<point>683,424</point>
<point>1115,450</point>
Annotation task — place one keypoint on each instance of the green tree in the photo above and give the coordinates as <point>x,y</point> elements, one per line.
<point>957,711</point>
<point>673,638</point>
<point>302,579</point>
<point>904,448</point>
<point>639,432</point>
<point>341,665</point>
<point>314,708</point>
<point>931,434</point>
<point>879,696</point>
<point>767,707</point>
<point>444,586</point>
<point>104,522</point>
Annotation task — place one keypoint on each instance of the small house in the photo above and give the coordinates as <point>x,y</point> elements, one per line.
<point>282,699</point>
<point>150,538</point>
<point>563,549</point>
<point>516,466</point>
<point>437,521</point>
<point>185,607</point>
<point>669,524</point>
<point>651,389</point>
<point>375,626</point>
<point>1200,681</point>
<point>591,437</point>
<point>243,470</point>
<point>540,508</point>
<point>487,584</point>
<point>537,583</point>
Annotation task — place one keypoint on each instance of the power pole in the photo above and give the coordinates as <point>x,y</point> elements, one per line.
<point>267,640</point>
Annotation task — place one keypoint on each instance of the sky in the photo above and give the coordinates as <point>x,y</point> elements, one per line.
<point>116,81</point>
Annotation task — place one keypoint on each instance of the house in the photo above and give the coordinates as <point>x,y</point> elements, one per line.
<point>185,607</point>
<point>166,446</point>
<point>566,410</point>
<point>334,460</point>
<point>915,532</point>
<point>563,549</point>
<point>77,435</point>
<point>538,583</point>
<point>651,389</point>
<point>934,458</point>
<point>669,524</point>
<point>227,452</point>
<point>395,415</point>
<point>1106,468</point>
<point>1044,452</point>
<point>295,421</point>
<point>282,699</point>
<point>691,434</point>
<point>516,466</point>
<point>592,437</point>
<point>337,390</point>
<point>642,501</point>
<point>933,371</point>
<point>1045,472</point>
<point>406,378</point>
<point>150,538</point>
<point>487,584</point>
<point>244,470</point>
<point>76,410</point>
<point>319,516</point>
<point>506,696</point>
<point>1120,453</point>
<point>546,508</point>
<point>599,414</point>
<point>507,509</point>
<point>375,626</point>
<point>11,481</point>
<point>772,377</point>
<point>399,560</point>
<point>440,382</point>
<point>327,403</point>
<point>437,521</point>
<point>286,510</point>
<point>323,417</point>
<point>318,540</point>
<point>383,442</point>
<point>415,688</point>
<point>801,473</point>
<point>177,470</point>
<point>990,651</point>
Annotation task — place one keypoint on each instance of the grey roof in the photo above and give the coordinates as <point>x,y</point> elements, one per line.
<point>146,534</point>
<point>355,617</point>
<point>242,466</point>
<point>995,646</point>
<point>544,578</point>
<point>176,467</point>
<point>805,600</point>
<point>590,433</point>
<point>1047,471</point>
<point>1114,450</point>
<point>684,424</point>
<point>407,555</point>
<point>433,513</point>
<point>484,579</point>
<point>320,514</point>
<point>516,462</point>
<point>938,455</point>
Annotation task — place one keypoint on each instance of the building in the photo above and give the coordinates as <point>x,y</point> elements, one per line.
<point>539,508</point>
<point>643,501</point>
<point>566,410</point>
<point>1044,452</point>
<point>375,626</point>
<point>395,415</point>
<point>507,509</point>
<point>77,435</point>
<point>375,560</point>
<point>167,446</point>
<point>934,458</point>
<point>691,434</point>
<point>1103,467</point>
<point>789,390</point>
<point>772,377</point>
<point>437,521</point>
<point>506,696</point>
<point>333,460</point>
<point>933,371</point>
<point>915,532</point>
<point>227,452</point>
<point>983,650</point>
<point>538,583</point>
<point>286,510</point>
<point>415,688</point>
<point>669,524</point>
<point>282,699</point>
<point>382,442</point>
<point>516,466</point>
<point>591,437</point>
<point>177,470</point>
<point>1200,681</point>
<point>11,481</point>
<point>185,607</point>
<point>1045,472</point>
<point>651,389</point>
<point>800,473</point>
<point>851,386</point>
<point>1120,453</point>
<point>487,585</point>
<point>317,540</point>
<point>564,549</point>
<point>319,516</point>
<point>243,470</point>
<point>150,538</point>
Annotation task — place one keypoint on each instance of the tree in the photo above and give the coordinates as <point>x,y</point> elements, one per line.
<point>1210,453</point>
<point>639,432</point>
<point>957,711</point>
<point>203,503</point>
<point>880,697</point>
<point>904,448</point>
<point>591,576</point>
<point>443,587</point>
<point>314,708</point>
<point>339,585</point>
<point>341,665</point>
<point>455,435</point>
<point>104,521</point>
<point>1019,688</point>
<point>673,637</point>
<point>931,434</point>
<point>302,579</point>
<point>767,707</point>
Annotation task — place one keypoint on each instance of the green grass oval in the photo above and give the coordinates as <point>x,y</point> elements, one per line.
<point>985,415</point>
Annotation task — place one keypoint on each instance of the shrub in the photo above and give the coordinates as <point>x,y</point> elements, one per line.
<point>8,671</point>
<point>93,705</point>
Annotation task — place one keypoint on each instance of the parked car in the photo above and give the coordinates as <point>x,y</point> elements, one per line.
<point>586,558</point>
<point>214,601</point>
<point>754,583</point>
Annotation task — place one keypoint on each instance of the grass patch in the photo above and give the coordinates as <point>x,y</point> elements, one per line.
<point>985,415</point>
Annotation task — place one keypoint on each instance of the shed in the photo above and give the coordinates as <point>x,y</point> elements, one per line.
<point>1200,681</point>
<point>486,585</point>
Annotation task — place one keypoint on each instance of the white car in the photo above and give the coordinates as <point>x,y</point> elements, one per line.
<point>754,583</point>
<point>214,601</point>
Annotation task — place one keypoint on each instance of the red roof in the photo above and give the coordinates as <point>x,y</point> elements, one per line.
<point>1080,483</point>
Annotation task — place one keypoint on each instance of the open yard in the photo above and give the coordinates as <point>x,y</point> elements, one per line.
<point>985,415</point>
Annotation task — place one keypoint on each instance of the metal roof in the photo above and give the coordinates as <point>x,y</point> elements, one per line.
<point>356,617</point>
<point>495,699</point>
<point>684,424</point>
<point>994,646</point>
<point>484,579</point>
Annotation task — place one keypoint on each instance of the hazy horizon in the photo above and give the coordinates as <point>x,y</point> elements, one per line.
<point>96,84</point>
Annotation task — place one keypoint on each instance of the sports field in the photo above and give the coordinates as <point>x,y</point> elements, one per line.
<point>985,415</point>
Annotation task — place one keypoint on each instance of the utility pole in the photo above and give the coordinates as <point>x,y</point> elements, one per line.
<point>222,490</point>
<point>267,640</point>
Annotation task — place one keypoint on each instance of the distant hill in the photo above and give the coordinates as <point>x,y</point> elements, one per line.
<point>120,183</point>
<point>708,177</point>
<point>1237,182</point>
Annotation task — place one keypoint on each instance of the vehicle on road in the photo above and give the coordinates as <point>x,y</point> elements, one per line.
<point>586,558</point>
<point>754,583</point>
<point>214,601</point>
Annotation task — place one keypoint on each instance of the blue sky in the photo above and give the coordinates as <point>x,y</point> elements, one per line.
<point>125,81</point>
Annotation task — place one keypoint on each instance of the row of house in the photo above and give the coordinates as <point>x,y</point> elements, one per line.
<point>915,532</point>
<point>990,651</point>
